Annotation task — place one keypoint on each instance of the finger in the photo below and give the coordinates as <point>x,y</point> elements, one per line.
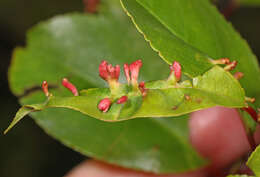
<point>218,134</point>
<point>93,168</point>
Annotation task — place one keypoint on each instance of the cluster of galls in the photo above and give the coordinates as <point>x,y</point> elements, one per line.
<point>111,75</point>
<point>131,71</point>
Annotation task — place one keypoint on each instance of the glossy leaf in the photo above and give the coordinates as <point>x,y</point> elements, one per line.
<point>215,88</point>
<point>254,161</point>
<point>72,46</point>
<point>180,30</point>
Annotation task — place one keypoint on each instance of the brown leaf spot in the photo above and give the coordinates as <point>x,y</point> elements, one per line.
<point>174,107</point>
<point>198,100</point>
<point>187,97</point>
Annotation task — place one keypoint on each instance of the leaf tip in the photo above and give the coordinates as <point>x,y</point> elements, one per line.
<point>9,128</point>
<point>6,131</point>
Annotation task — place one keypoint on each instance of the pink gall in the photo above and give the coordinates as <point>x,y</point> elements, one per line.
<point>134,69</point>
<point>104,105</point>
<point>231,66</point>
<point>175,74</point>
<point>103,73</point>
<point>108,72</point>
<point>127,73</point>
<point>117,71</point>
<point>70,86</point>
<point>177,70</point>
<point>142,88</point>
<point>45,88</point>
<point>122,100</point>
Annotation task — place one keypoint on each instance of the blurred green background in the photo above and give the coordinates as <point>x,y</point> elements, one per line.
<point>27,151</point>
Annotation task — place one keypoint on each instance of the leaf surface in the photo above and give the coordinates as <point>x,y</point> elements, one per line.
<point>215,88</point>
<point>180,30</point>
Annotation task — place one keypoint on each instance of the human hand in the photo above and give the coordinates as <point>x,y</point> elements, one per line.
<point>217,134</point>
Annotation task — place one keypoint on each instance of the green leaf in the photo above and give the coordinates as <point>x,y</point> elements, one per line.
<point>215,88</point>
<point>254,161</point>
<point>72,46</point>
<point>180,30</point>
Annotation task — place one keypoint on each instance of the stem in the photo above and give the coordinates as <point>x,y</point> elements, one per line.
<point>251,141</point>
<point>250,137</point>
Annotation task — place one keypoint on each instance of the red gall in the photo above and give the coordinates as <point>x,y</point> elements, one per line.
<point>70,87</point>
<point>132,72</point>
<point>104,105</point>
<point>45,88</point>
<point>231,66</point>
<point>175,74</point>
<point>134,69</point>
<point>176,68</point>
<point>108,72</point>
<point>142,88</point>
<point>122,100</point>
<point>127,73</point>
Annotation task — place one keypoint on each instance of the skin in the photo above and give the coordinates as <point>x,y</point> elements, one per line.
<point>216,133</point>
